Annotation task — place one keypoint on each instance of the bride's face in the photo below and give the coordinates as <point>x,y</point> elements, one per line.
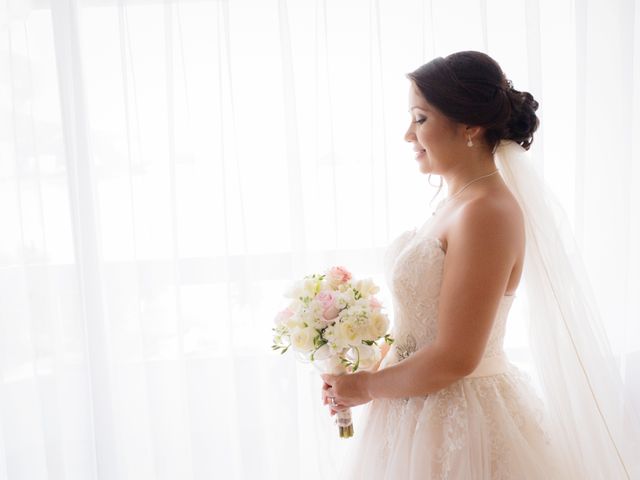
<point>437,140</point>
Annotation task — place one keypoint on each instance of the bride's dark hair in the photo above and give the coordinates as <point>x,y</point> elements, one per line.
<point>469,87</point>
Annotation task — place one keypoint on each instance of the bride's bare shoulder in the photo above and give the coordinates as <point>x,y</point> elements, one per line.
<point>500,206</point>
<point>493,216</point>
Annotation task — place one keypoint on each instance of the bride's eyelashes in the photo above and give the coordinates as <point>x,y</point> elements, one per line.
<point>420,120</point>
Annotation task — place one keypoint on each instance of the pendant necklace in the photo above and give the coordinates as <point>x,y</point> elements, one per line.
<point>446,199</point>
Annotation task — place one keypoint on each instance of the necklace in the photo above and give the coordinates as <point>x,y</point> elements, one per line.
<point>446,199</point>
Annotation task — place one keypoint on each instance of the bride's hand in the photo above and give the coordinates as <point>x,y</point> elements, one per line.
<point>325,398</point>
<point>349,390</point>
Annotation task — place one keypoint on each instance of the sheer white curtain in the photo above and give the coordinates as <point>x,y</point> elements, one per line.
<point>167,168</point>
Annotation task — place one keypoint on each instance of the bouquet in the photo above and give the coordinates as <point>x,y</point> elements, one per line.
<point>334,323</point>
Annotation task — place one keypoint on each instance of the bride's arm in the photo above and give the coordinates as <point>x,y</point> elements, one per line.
<point>483,245</point>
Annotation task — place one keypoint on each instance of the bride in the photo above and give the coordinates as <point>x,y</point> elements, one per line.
<point>445,402</point>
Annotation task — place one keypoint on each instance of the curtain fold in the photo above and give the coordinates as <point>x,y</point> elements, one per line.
<point>167,168</point>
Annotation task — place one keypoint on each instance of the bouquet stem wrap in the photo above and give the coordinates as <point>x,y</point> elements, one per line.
<point>343,417</point>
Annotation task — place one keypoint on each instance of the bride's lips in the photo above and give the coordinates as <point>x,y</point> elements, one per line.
<point>420,154</point>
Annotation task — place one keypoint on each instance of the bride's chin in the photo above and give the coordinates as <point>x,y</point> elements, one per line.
<point>425,167</point>
<point>424,164</point>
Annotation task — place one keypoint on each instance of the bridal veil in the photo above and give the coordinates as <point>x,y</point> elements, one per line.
<point>596,431</point>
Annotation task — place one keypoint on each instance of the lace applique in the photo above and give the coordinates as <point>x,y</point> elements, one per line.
<point>448,408</point>
<point>415,278</point>
<point>512,390</point>
<point>396,406</point>
<point>396,411</point>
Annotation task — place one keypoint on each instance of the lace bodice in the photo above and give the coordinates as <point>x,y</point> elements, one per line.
<point>413,265</point>
<point>484,426</point>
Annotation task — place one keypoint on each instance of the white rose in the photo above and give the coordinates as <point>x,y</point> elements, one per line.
<point>348,333</point>
<point>292,323</point>
<point>302,339</point>
<point>379,325</point>
<point>336,337</point>
<point>366,287</point>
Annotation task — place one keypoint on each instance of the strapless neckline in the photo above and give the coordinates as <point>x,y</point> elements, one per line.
<point>438,243</point>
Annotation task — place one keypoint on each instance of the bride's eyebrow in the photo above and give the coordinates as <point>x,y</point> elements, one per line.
<point>416,106</point>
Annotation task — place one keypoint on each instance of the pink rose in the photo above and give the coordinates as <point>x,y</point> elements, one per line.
<point>340,274</point>
<point>374,303</point>
<point>283,315</point>
<point>330,314</point>
<point>326,298</point>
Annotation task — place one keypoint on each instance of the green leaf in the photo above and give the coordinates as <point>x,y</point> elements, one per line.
<point>357,361</point>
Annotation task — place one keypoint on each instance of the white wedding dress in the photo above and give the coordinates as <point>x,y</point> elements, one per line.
<point>488,426</point>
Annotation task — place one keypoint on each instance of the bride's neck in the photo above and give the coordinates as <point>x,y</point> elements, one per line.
<point>467,170</point>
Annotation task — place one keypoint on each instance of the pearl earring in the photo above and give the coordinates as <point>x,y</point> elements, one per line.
<point>469,142</point>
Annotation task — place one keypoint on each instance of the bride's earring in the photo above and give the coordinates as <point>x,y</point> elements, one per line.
<point>469,142</point>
